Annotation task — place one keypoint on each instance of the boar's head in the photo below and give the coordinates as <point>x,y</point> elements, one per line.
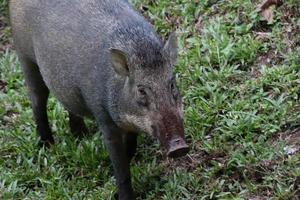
<point>150,101</point>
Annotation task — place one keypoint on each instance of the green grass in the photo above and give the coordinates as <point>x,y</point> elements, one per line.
<point>240,92</point>
<point>4,7</point>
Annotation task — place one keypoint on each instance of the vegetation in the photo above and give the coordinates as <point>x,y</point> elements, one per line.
<point>240,79</point>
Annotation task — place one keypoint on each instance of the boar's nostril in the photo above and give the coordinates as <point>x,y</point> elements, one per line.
<point>177,142</point>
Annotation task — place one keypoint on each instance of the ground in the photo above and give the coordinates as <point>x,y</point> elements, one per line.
<point>240,79</point>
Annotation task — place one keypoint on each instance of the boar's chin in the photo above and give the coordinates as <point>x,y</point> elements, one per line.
<point>137,123</point>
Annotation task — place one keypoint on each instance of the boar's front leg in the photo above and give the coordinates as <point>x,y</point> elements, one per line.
<point>130,141</point>
<point>38,93</point>
<point>118,155</point>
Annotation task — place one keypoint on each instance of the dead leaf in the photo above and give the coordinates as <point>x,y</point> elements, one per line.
<point>268,15</point>
<point>266,9</point>
<point>267,3</point>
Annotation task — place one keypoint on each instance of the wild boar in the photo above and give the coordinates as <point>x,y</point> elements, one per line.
<point>100,59</point>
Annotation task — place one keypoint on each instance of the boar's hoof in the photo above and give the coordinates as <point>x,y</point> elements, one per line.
<point>177,148</point>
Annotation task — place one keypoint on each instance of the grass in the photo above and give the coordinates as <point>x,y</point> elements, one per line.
<point>240,79</point>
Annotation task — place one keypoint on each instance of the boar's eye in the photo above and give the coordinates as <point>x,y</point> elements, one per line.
<point>142,96</point>
<point>172,87</point>
<point>142,92</point>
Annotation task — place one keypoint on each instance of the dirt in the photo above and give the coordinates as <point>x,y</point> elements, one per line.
<point>290,35</point>
<point>255,173</point>
<point>191,162</point>
<point>291,31</point>
<point>292,140</point>
<point>2,85</point>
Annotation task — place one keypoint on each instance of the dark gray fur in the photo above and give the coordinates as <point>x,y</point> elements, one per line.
<point>100,59</point>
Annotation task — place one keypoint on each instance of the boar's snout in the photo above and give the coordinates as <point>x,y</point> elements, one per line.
<point>177,147</point>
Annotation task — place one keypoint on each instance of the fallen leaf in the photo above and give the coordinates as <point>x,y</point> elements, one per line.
<point>267,15</point>
<point>267,3</point>
<point>266,9</point>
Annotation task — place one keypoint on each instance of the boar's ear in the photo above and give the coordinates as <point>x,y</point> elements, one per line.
<point>119,62</point>
<point>170,48</point>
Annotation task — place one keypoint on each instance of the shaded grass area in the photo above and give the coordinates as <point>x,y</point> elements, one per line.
<point>5,32</point>
<point>240,81</point>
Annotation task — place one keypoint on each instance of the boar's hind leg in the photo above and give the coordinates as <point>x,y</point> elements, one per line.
<point>38,93</point>
<point>77,126</point>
